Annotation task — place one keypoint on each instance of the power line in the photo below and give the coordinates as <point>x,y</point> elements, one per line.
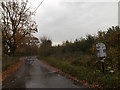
<point>38,6</point>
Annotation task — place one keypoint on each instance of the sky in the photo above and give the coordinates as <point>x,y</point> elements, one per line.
<point>62,20</point>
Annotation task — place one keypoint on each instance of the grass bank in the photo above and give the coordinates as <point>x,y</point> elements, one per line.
<point>93,77</point>
<point>8,61</point>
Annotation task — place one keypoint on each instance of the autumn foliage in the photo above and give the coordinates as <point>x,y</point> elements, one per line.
<point>17,24</point>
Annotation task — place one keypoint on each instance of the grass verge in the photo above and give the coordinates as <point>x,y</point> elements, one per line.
<point>93,77</point>
<point>8,61</point>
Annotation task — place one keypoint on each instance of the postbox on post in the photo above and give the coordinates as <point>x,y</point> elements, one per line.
<point>101,53</point>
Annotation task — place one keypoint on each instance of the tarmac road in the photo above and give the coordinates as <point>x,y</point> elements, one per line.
<point>37,75</point>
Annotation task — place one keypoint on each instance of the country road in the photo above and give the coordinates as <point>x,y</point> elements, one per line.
<point>38,75</point>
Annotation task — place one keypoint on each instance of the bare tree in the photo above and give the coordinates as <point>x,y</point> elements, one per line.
<point>16,24</point>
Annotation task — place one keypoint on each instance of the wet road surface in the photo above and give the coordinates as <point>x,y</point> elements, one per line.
<point>37,75</point>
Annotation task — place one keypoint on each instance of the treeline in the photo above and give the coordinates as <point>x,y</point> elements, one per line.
<point>83,51</point>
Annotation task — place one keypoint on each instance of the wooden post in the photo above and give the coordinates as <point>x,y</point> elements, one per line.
<point>103,69</point>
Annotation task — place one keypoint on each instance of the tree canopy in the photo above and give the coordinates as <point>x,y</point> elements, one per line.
<point>16,24</point>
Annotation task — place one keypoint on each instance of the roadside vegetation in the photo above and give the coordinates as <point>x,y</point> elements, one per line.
<point>79,58</point>
<point>94,77</point>
<point>17,29</point>
<point>8,61</point>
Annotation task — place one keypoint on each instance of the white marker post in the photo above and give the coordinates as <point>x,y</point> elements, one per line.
<point>101,53</point>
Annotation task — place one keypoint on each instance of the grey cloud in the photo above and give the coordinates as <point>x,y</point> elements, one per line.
<point>68,22</point>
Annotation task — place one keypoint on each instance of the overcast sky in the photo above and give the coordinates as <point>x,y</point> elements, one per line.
<point>62,20</point>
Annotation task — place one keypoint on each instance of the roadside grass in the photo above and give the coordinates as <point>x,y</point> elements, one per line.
<point>8,61</point>
<point>92,76</point>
